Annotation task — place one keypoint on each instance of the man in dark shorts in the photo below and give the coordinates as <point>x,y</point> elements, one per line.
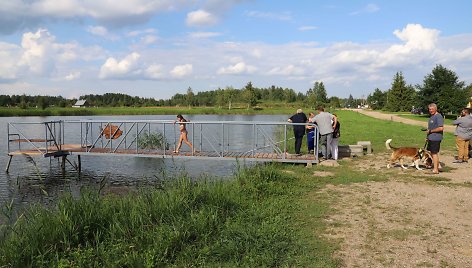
<point>435,135</point>
<point>298,130</point>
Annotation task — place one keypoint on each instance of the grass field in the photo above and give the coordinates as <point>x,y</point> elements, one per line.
<point>272,215</point>
<point>358,127</point>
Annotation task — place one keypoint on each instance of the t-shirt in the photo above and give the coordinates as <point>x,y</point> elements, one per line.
<point>435,121</point>
<point>323,120</point>
<point>464,127</point>
<point>299,118</point>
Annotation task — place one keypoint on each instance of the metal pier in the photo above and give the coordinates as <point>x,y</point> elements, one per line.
<point>212,140</point>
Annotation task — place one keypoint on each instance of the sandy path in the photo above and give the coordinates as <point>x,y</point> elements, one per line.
<point>413,219</point>
<point>396,118</point>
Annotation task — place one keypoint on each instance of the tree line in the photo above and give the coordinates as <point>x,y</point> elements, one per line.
<point>442,86</point>
<point>229,97</point>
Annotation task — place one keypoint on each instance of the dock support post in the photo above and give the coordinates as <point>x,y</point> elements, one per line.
<point>79,165</point>
<point>8,165</point>
<point>63,163</point>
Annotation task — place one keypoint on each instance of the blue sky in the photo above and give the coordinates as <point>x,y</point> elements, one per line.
<point>156,48</point>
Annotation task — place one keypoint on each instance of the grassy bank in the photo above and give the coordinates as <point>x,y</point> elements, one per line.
<point>247,221</point>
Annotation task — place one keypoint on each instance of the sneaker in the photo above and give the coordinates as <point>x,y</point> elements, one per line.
<point>458,161</point>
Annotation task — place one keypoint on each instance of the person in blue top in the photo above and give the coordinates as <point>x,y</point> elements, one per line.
<point>435,135</point>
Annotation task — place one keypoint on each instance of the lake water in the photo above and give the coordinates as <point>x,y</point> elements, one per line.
<point>43,181</point>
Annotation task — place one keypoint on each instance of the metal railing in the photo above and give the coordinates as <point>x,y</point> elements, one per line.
<point>160,137</point>
<point>40,137</point>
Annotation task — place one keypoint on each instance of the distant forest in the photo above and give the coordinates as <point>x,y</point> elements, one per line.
<point>249,97</point>
<point>441,86</point>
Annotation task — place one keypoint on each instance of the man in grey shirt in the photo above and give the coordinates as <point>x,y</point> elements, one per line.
<point>435,135</point>
<point>463,135</point>
<point>326,123</point>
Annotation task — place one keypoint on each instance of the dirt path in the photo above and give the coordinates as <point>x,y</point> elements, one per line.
<point>412,219</point>
<point>396,118</point>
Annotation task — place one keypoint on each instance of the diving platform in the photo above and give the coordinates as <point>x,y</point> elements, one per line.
<point>212,140</point>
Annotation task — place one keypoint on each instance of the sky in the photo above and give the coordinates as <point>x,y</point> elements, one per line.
<point>157,48</point>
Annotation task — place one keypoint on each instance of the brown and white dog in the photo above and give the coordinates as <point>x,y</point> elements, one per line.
<point>416,154</point>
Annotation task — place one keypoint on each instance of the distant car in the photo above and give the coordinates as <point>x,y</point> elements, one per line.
<point>417,111</point>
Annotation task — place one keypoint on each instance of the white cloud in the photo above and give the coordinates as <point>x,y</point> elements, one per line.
<point>149,39</point>
<point>72,76</point>
<point>369,8</point>
<point>201,18</point>
<point>416,36</point>
<point>203,34</point>
<point>102,32</point>
<point>286,16</point>
<point>307,28</point>
<point>39,55</point>
<point>289,70</point>
<point>37,52</point>
<point>238,68</point>
<point>141,32</point>
<point>9,54</point>
<point>181,71</point>
<point>97,30</point>
<point>256,53</point>
<point>154,71</point>
<point>126,67</point>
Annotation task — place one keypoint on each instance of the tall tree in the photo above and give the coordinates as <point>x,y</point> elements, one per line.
<point>250,95</point>
<point>334,102</point>
<point>377,99</point>
<point>230,95</point>
<point>320,93</point>
<point>401,97</point>
<point>351,103</point>
<point>443,87</point>
<point>190,98</point>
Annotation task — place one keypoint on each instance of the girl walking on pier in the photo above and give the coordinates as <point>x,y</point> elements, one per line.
<point>183,134</point>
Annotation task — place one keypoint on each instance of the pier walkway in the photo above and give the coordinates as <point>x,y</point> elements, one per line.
<point>212,140</point>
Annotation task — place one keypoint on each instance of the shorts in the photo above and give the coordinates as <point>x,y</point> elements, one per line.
<point>433,146</point>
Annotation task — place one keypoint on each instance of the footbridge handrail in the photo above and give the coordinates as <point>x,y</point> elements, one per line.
<point>256,140</point>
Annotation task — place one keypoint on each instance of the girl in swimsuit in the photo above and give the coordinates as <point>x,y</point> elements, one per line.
<point>183,134</point>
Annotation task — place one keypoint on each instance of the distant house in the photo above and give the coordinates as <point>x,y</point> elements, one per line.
<point>80,104</point>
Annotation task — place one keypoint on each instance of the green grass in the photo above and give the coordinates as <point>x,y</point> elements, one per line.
<point>358,127</point>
